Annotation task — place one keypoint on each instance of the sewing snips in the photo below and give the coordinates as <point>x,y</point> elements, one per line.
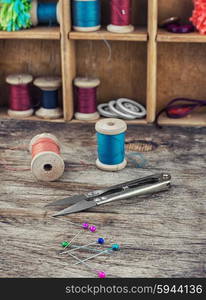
<point>137,187</point>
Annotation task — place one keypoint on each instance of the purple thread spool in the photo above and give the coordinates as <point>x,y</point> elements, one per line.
<point>85,98</point>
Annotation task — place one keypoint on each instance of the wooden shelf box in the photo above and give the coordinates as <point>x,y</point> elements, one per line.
<point>149,65</point>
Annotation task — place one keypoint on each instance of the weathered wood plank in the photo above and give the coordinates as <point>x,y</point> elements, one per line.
<point>160,236</point>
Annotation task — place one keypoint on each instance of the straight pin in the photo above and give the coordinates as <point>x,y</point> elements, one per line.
<point>100,241</point>
<point>115,247</point>
<point>100,274</point>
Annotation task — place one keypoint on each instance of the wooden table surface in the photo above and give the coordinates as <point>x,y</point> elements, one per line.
<point>162,235</point>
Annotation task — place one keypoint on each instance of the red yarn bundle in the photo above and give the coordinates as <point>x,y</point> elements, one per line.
<point>199,15</point>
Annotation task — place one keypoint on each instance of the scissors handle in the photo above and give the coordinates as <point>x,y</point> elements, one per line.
<point>163,185</point>
<point>122,186</point>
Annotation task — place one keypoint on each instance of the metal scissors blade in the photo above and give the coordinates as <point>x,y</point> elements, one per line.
<point>80,206</point>
<point>106,191</point>
<point>162,184</point>
<point>68,200</point>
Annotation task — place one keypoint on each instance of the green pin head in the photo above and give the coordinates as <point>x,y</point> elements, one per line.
<point>65,244</point>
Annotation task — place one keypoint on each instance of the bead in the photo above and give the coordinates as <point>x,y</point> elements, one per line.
<point>186,28</point>
<point>101,274</point>
<point>85,225</point>
<point>65,244</point>
<point>92,228</point>
<point>115,247</point>
<point>173,28</point>
<point>100,241</point>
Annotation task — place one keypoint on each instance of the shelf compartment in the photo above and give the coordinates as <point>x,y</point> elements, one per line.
<point>40,33</point>
<point>169,37</point>
<point>139,34</point>
<point>5,116</point>
<point>195,119</point>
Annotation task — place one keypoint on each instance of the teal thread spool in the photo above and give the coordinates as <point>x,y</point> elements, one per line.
<point>111,144</point>
<point>44,13</point>
<point>86,15</point>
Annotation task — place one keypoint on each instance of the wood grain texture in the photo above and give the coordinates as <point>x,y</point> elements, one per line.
<point>180,72</point>
<point>152,61</point>
<point>123,74</point>
<point>36,57</point>
<point>160,236</point>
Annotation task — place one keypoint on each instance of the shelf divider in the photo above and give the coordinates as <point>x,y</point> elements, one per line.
<point>152,60</point>
<point>67,59</point>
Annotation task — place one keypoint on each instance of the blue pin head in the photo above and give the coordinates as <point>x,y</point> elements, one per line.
<point>100,241</point>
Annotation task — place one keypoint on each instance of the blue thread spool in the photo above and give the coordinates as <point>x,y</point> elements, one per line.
<point>111,144</point>
<point>49,103</point>
<point>86,15</point>
<point>45,13</point>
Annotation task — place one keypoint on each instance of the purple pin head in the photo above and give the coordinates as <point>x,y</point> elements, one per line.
<point>92,228</point>
<point>85,225</point>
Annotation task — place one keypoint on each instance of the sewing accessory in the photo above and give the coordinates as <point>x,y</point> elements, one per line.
<point>175,28</point>
<point>180,108</point>
<point>45,13</point>
<point>100,241</point>
<point>131,107</point>
<point>168,21</point>
<point>120,16</point>
<point>86,98</point>
<point>49,102</point>
<point>46,164</point>
<point>114,247</point>
<point>86,15</point>
<point>142,186</point>
<point>19,96</point>
<point>173,25</point>
<point>111,144</point>
<point>100,274</point>
<point>104,111</point>
<point>113,108</point>
<point>199,16</point>
<point>14,15</point>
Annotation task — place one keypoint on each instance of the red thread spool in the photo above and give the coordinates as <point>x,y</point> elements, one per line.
<point>120,11</point>
<point>19,96</point>
<point>46,164</point>
<point>86,98</point>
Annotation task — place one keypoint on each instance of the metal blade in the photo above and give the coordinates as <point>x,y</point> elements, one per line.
<point>80,206</point>
<point>67,201</point>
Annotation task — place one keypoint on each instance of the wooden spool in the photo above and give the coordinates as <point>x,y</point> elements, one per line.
<point>34,15</point>
<point>46,166</point>
<point>15,79</point>
<point>87,29</point>
<point>111,126</point>
<point>84,82</point>
<point>48,84</point>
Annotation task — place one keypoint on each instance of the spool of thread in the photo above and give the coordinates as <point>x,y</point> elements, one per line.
<point>46,164</point>
<point>49,103</point>
<point>86,15</point>
<point>120,16</point>
<point>111,144</point>
<point>86,98</point>
<point>19,96</point>
<point>45,13</point>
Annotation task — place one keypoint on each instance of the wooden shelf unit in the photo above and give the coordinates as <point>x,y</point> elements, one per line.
<point>149,65</point>
<point>181,64</point>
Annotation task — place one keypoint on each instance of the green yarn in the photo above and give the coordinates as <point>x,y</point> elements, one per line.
<point>15,14</point>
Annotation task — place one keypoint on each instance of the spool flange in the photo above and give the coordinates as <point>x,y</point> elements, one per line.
<point>15,79</point>
<point>85,82</point>
<point>49,83</point>
<point>46,166</point>
<point>111,126</point>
